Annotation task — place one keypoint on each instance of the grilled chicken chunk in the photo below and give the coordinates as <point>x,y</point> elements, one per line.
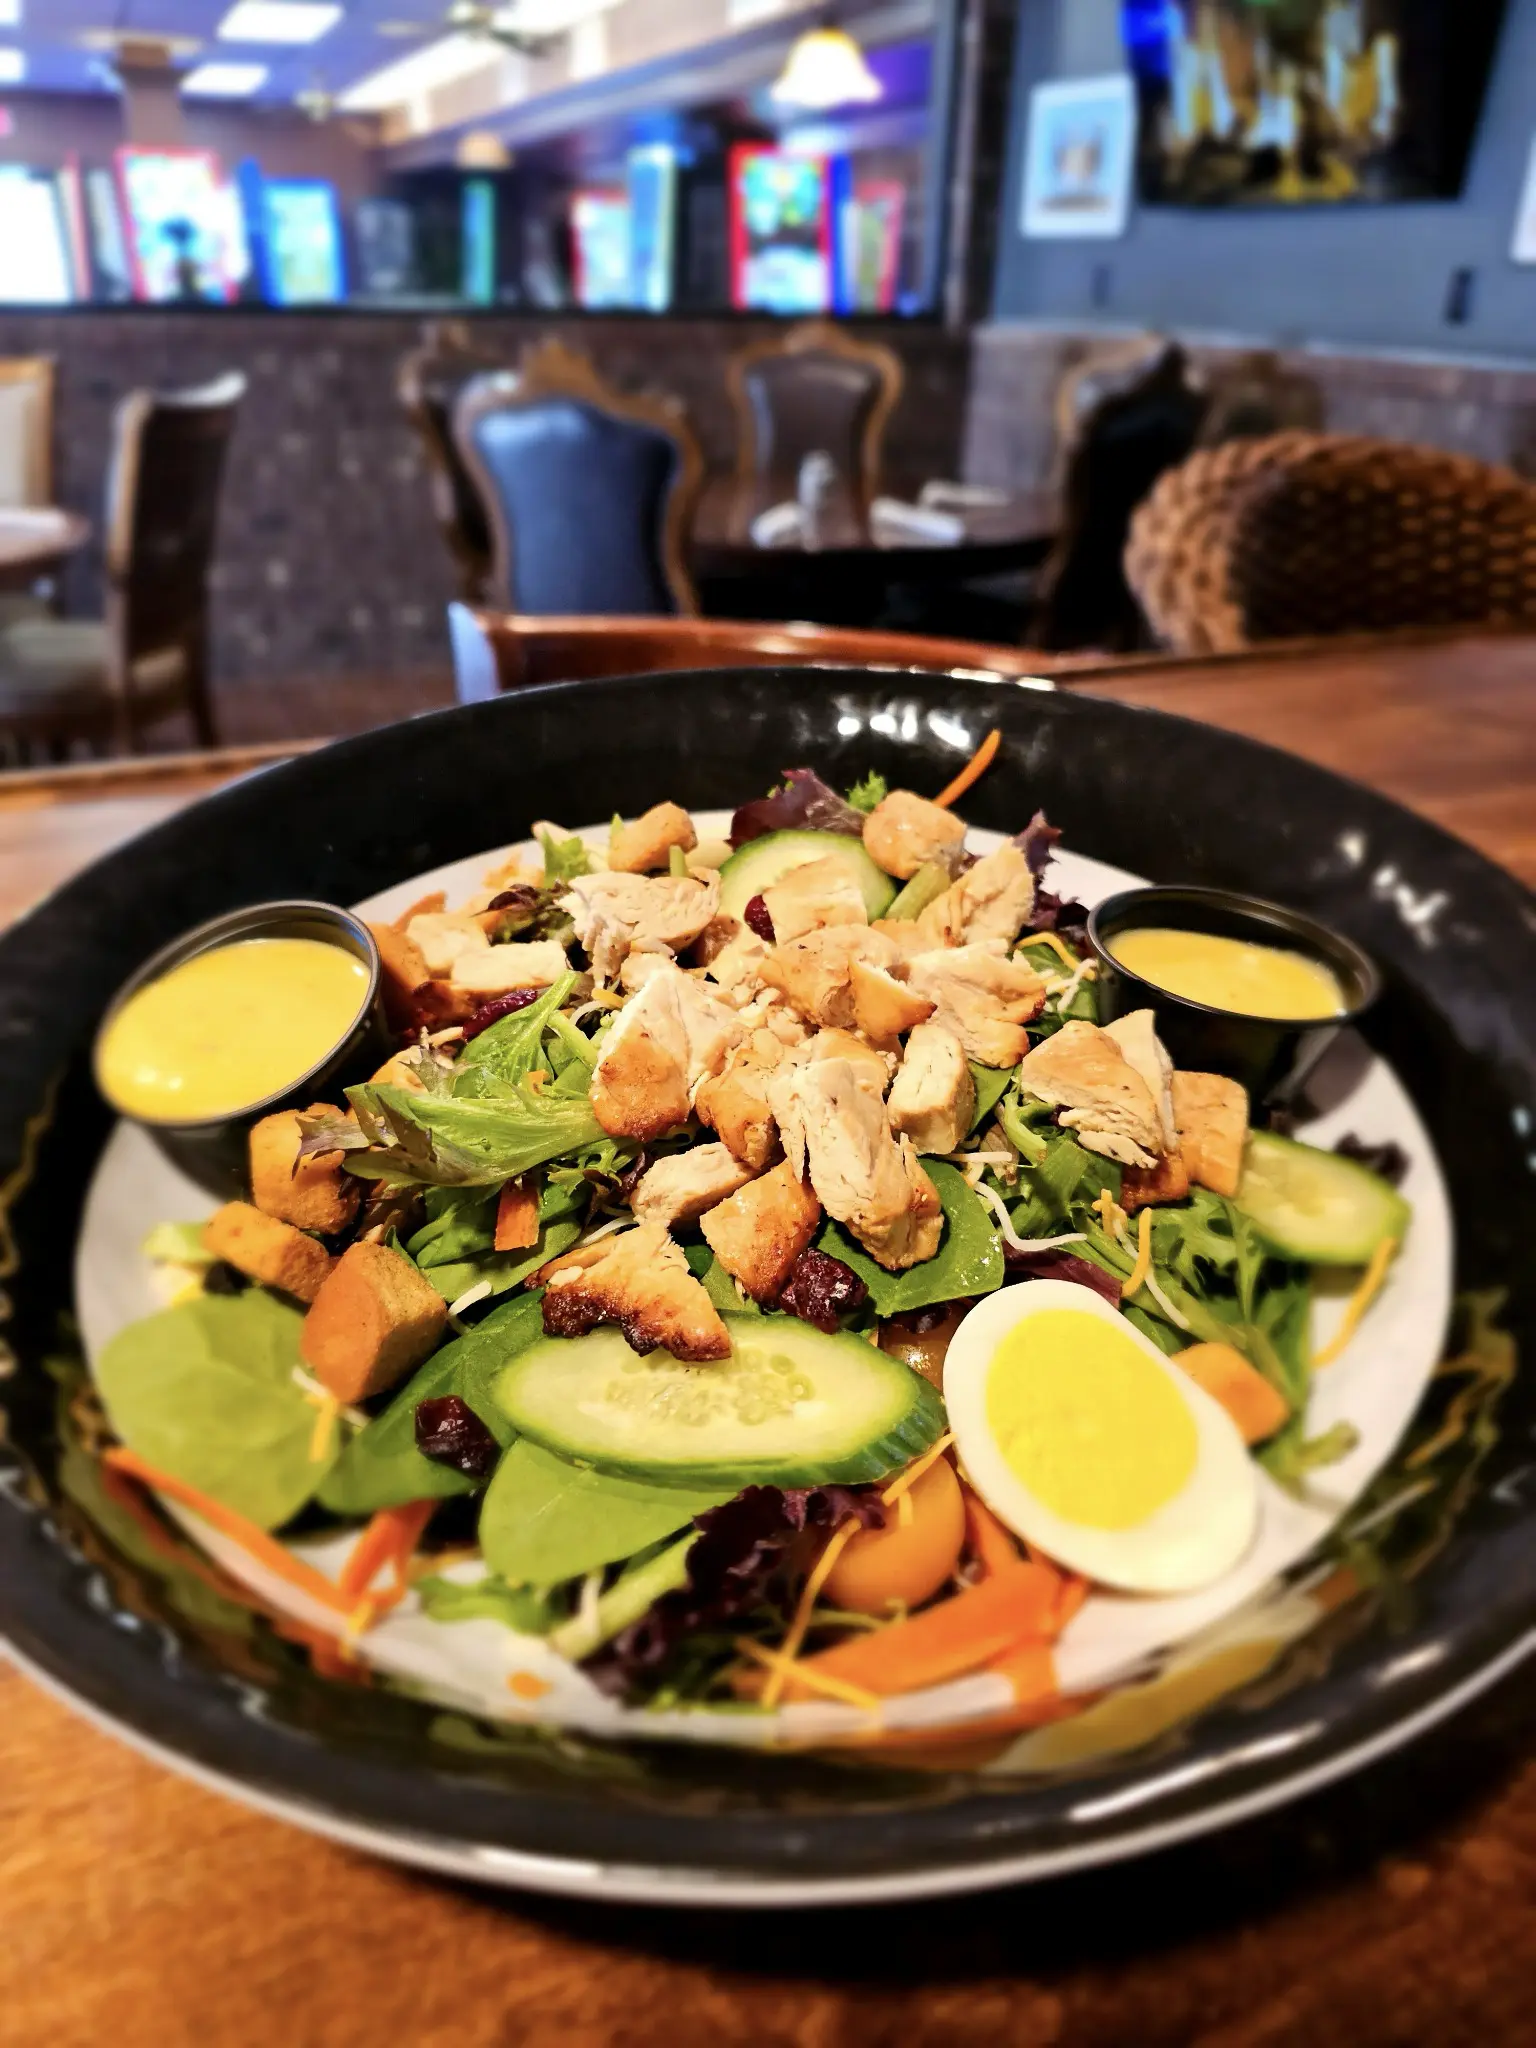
<point>680,1188</point>
<point>666,1040</point>
<point>639,1280</point>
<point>1211,1115</point>
<point>992,900</point>
<point>1082,1072</point>
<point>874,1068</point>
<point>836,1128</point>
<point>1136,1036</point>
<point>816,971</point>
<point>634,849</point>
<point>904,832</point>
<point>531,963</point>
<point>733,954</point>
<point>883,1007</point>
<point>614,912</point>
<point>813,896</point>
<point>983,997</point>
<point>933,1097</point>
<point>758,1234</point>
<point>443,936</point>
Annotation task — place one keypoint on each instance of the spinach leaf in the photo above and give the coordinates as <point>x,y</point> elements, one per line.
<point>205,1391</point>
<point>545,1520</point>
<point>969,1260</point>
<point>381,1467</point>
<point>992,1084</point>
<point>460,1222</point>
<point>502,1270</point>
<point>529,1611</point>
<point>718,1284</point>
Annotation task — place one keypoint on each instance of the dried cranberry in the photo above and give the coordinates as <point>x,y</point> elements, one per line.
<point>222,1278</point>
<point>756,918</point>
<point>498,1007</point>
<point>820,1289</point>
<point>449,1432</point>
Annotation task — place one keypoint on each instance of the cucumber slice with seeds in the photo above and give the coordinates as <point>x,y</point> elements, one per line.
<point>1313,1205</point>
<point>762,862</point>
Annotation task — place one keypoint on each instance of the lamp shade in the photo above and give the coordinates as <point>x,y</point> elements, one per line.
<point>825,68</point>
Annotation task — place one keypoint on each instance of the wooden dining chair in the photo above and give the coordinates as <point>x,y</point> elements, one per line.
<point>27,385</point>
<point>102,681</point>
<point>429,382</point>
<point>817,390</point>
<point>498,651</point>
<point>590,490</point>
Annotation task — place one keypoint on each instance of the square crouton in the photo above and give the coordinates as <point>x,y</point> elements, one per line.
<point>758,1233</point>
<point>1211,1113</point>
<point>311,1194</point>
<point>1253,1404</point>
<point>267,1250</point>
<point>1143,1186</point>
<point>372,1322</point>
<point>637,849</point>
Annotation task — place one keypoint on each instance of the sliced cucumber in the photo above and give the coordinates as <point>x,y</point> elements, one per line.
<point>765,861</point>
<point>789,1407</point>
<point>1313,1205</point>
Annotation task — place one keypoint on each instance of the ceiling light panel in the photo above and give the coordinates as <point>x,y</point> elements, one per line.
<point>13,67</point>
<point>224,81</point>
<point>10,13</point>
<point>425,70</point>
<point>277,21</point>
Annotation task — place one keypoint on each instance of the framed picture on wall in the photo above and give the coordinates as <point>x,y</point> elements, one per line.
<point>1523,248</point>
<point>1079,158</point>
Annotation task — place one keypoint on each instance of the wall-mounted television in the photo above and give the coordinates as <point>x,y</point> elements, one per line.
<point>35,268</point>
<point>781,230</point>
<point>178,214</point>
<point>652,180</point>
<point>302,263</point>
<point>600,241</point>
<point>1297,102</point>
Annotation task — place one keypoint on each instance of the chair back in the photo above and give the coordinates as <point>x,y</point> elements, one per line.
<point>590,491</point>
<point>429,383</point>
<point>26,431</point>
<point>497,651</point>
<point>817,390</point>
<point>163,488</point>
<point>1255,396</point>
<point>1140,424</point>
<point>1307,535</point>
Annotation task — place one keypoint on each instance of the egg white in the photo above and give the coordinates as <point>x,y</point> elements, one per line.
<point>1190,1541</point>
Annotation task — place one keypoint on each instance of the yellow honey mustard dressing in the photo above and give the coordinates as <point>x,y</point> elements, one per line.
<point>1230,974</point>
<point>1087,1422</point>
<point>229,1027</point>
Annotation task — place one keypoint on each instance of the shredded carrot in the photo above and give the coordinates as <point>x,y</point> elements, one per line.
<point>973,770</point>
<point>1143,1265</point>
<point>785,1669</point>
<point>265,1549</point>
<point>389,1539</point>
<point>789,1649</point>
<point>945,1641</point>
<point>527,1685</point>
<point>954,1744</point>
<point>1359,1301</point>
<point>1029,1668</point>
<point>1074,1592</point>
<point>989,1542</point>
<point>903,1483</point>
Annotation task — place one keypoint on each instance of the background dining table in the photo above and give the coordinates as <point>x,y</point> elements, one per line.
<point>34,542</point>
<point>1390,1911</point>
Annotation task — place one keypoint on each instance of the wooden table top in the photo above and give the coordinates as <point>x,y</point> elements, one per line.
<point>1388,1912</point>
<point>32,542</point>
<point>996,536</point>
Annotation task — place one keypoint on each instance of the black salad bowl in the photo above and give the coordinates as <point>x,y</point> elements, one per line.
<point>1271,1056</point>
<point>135,1637</point>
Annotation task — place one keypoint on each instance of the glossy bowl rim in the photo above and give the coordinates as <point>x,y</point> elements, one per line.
<point>208,937</point>
<point>1264,910</point>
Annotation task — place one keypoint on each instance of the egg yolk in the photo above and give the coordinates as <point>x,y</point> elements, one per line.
<point>1086,1421</point>
<point>229,1027</point>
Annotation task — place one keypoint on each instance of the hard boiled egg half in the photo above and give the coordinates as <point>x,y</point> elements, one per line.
<point>1079,1434</point>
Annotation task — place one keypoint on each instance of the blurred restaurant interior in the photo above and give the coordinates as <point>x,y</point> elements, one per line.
<point>1066,327</point>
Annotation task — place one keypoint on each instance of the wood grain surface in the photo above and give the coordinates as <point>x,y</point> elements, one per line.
<point>1397,1910</point>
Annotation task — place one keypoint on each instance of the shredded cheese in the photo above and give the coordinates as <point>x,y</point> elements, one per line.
<point>789,1649</point>
<point>1111,1215</point>
<point>1370,1286</point>
<point>1011,1237</point>
<point>323,1435</point>
<point>1165,1304</point>
<point>782,1669</point>
<point>906,1514</point>
<point>469,1297</point>
<point>1069,959</point>
<point>1143,1266</point>
<point>903,1483</point>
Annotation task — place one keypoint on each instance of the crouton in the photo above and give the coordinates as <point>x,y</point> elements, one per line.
<point>404,974</point>
<point>984,998</point>
<point>883,1007</point>
<point>517,1217</point>
<point>680,1188</point>
<point>667,1038</point>
<point>759,1232</point>
<point>904,832</point>
<point>1250,1400</point>
<point>311,1194</point>
<point>640,1281</point>
<point>992,900</point>
<point>1212,1117</point>
<point>373,1320</point>
<point>933,1097</point>
<point>1082,1072</point>
<point>1141,1187</point>
<point>734,1102</point>
<point>816,971</point>
<point>813,896</point>
<point>267,1250</point>
<point>647,843</point>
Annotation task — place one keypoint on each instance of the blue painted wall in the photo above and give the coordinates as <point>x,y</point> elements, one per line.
<point>1367,276</point>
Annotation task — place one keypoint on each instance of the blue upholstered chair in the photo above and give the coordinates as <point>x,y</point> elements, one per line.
<point>590,491</point>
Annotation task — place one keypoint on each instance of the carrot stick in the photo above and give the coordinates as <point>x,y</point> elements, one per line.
<point>1029,1668</point>
<point>973,770</point>
<point>988,1541</point>
<point>264,1548</point>
<point>960,1634</point>
<point>389,1539</point>
<point>1074,1592</point>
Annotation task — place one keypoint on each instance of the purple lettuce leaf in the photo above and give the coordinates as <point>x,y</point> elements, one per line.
<point>1038,842</point>
<point>804,804</point>
<point>1061,1265</point>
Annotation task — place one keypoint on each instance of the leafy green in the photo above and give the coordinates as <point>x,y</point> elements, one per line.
<point>644,1581</point>
<point>460,1222</point>
<point>992,1084</point>
<point>718,1284</point>
<point>532,1612</point>
<point>869,790</point>
<point>1290,1455</point>
<point>545,1520</point>
<point>179,1244</point>
<point>969,1260</point>
<point>563,858</point>
<point>1063,1183</point>
<point>496,1062</point>
<point>205,1391</point>
<point>449,1143</point>
<point>500,1272</point>
<point>1020,1128</point>
<point>1084,1006</point>
<point>382,1467</point>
